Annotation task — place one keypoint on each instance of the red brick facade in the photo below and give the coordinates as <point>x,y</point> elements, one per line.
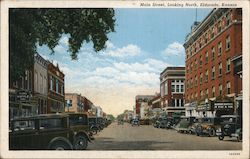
<point>209,52</point>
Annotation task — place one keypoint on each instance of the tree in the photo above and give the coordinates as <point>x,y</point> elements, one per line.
<point>29,27</point>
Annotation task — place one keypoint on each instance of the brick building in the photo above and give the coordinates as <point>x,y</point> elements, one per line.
<point>214,64</point>
<point>172,86</point>
<point>77,103</point>
<point>141,105</point>
<point>41,83</point>
<point>56,98</point>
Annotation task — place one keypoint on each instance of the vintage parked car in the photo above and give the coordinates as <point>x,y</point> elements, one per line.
<point>185,124</point>
<point>135,122</point>
<point>50,131</point>
<point>79,124</point>
<point>208,126</point>
<point>231,126</point>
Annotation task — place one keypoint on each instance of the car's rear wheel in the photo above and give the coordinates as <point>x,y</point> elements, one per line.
<point>81,143</point>
<point>221,137</point>
<point>60,145</point>
<point>211,132</point>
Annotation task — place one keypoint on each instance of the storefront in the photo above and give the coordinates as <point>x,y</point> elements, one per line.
<point>223,108</point>
<point>204,108</point>
<point>21,104</point>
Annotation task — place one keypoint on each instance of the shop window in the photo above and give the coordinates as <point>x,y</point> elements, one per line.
<point>24,125</point>
<point>228,88</point>
<point>228,65</point>
<point>219,48</point>
<point>228,43</point>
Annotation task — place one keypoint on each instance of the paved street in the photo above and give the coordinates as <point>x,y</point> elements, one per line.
<point>146,137</point>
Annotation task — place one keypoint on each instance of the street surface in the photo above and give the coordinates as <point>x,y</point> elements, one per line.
<point>146,137</point>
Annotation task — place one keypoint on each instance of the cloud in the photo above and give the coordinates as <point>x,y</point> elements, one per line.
<point>174,49</point>
<point>129,50</point>
<point>110,45</point>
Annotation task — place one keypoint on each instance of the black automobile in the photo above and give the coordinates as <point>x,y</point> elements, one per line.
<point>93,125</point>
<point>185,124</point>
<point>50,131</point>
<point>231,126</point>
<point>135,122</point>
<point>80,127</point>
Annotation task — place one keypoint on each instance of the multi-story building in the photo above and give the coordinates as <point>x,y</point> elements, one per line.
<point>77,103</point>
<point>41,83</point>
<point>213,58</point>
<point>56,98</point>
<point>172,89</point>
<point>21,99</point>
<point>141,105</point>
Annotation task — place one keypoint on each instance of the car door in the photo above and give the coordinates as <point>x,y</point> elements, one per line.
<point>50,128</point>
<point>23,135</point>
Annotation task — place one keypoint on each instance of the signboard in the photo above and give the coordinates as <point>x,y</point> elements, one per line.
<point>22,96</point>
<point>223,105</point>
<point>203,107</point>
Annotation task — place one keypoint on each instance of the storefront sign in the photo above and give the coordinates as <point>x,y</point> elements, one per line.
<point>22,96</point>
<point>223,105</point>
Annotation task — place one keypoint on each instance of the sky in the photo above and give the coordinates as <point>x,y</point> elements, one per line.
<point>144,43</point>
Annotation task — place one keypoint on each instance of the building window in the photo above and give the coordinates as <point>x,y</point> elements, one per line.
<point>228,88</point>
<point>206,38</point>
<point>177,88</point>
<point>206,77</point>
<point>207,57</point>
<point>173,103</point>
<point>228,19</point>
<point>228,43</point>
<point>182,88</point>
<point>173,87</point>
<point>213,72</point>
<point>213,52</point>
<point>220,89</point>
<point>195,64</point>
<point>220,69</point>
<point>51,83</point>
<point>213,32</point>
<point>41,83</point>
<point>200,60</point>
<point>196,81</point>
<point>219,26</point>
<point>213,91</point>
<point>201,76</point>
<point>219,48</point>
<point>206,92</point>
<point>228,65</point>
<point>57,86</point>
<point>36,81</point>
<point>201,93</point>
